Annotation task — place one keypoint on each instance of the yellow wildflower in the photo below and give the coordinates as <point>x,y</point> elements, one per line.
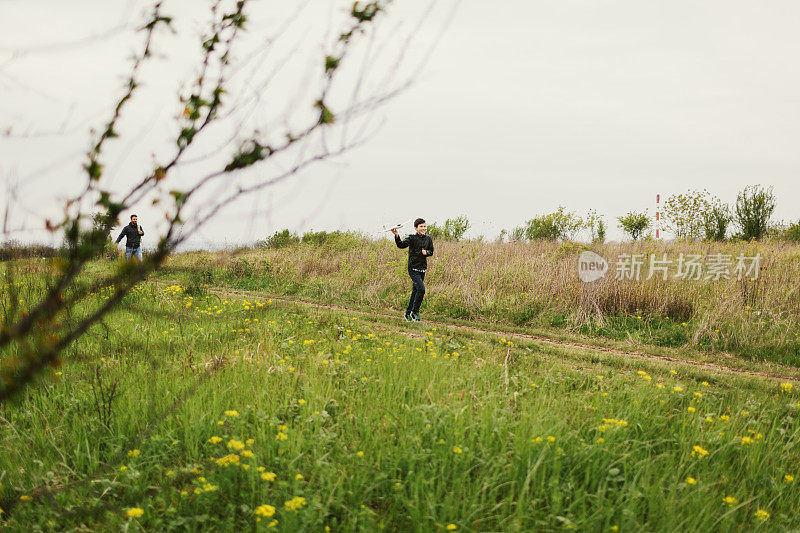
<point>691,481</point>
<point>295,503</point>
<point>265,510</point>
<point>133,453</point>
<point>730,500</point>
<point>761,514</point>
<point>231,459</point>
<point>215,439</point>
<point>236,445</point>
<point>268,476</point>
<point>699,451</point>
<point>232,412</point>
<point>451,527</point>
<point>134,512</point>
<point>788,478</point>
<point>457,449</point>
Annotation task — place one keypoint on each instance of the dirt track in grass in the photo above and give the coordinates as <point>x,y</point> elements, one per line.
<point>515,335</point>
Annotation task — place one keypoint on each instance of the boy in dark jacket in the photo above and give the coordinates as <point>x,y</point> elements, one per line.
<point>420,248</point>
<point>133,239</point>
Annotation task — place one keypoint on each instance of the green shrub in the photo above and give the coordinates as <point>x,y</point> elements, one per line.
<point>280,239</point>
<point>634,224</point>
<point>716,221</point>
<point>452,230</point>
<point>553,226</point>
<point>754,207</point>
<point>792,233</point>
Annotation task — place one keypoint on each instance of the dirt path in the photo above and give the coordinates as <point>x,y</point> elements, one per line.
<point>538,338</point>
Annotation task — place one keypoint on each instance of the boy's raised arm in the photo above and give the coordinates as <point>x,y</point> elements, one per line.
<point>401,244</point>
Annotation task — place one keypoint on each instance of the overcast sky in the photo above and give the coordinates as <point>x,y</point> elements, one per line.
<point>521,107</point>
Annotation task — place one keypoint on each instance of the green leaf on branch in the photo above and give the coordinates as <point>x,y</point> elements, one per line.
<point>367,13</point>
<point>249,153</point>
<point>179,196</point>
<point>186,136</point>
<point>331,64</point>
<point>157,20</point>
<point>209,44</point>
<point>325,114</point>
<point>94,169</point>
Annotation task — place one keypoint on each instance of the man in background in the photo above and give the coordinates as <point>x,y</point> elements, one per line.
<point>133,239</point>
<point>420,248</point>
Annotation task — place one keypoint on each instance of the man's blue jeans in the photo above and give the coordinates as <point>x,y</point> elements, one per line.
<point>417,292</point>
<point>136,252</point>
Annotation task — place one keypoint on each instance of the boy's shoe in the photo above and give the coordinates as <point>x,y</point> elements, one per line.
<point>408,318</point>
<point>415,317</point>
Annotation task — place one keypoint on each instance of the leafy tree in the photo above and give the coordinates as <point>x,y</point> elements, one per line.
<point>716,221</point>
<point>562,225</point>
<point>35,337</point>
<point>635,224</point>
<point>685,214</point>
<point>596,226</point>
<point>452,230</point>
<point>601,233</point>
<point>754,207</point>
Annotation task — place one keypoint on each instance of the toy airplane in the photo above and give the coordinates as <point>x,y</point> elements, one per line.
<point>396,226</point>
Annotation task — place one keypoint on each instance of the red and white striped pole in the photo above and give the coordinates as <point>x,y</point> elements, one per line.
<point>658,216</point>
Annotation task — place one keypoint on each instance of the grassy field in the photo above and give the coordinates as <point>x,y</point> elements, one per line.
<point>535,285</point>
<point>191,411</point>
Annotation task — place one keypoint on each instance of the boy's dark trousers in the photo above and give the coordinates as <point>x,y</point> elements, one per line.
<point>418,291</point>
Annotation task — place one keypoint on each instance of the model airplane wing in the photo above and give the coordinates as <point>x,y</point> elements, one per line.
<point>386,227</point>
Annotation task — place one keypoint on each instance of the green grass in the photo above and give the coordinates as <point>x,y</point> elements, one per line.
<point>391,426</point>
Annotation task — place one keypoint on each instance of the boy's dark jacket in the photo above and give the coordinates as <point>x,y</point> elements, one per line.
<point>415,244</point>
<point>132,237</point>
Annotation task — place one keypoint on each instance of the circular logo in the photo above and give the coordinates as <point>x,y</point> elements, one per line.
<point>591,266</point>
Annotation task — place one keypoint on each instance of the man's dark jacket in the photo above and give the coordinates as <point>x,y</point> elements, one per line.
<point>415,244</point>
<point>132,237</point>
